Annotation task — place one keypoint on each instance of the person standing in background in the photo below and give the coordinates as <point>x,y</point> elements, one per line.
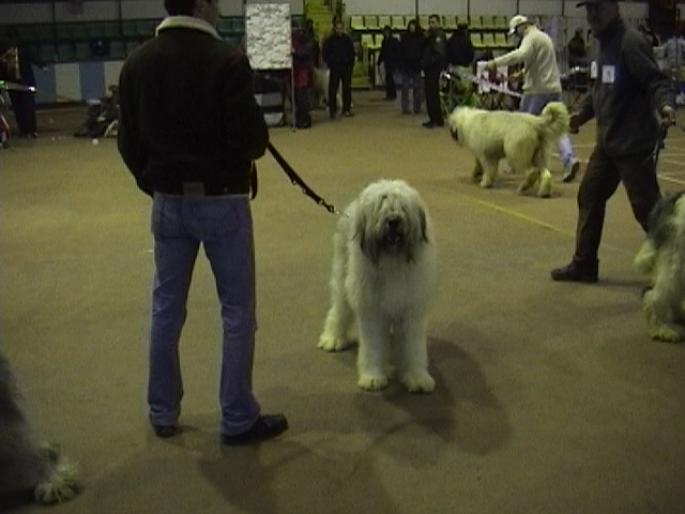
<point>338,54</point>
<point>390,56</point>
<point>433,64</point>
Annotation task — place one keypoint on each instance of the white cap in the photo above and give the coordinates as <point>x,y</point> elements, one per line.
<point>515,22</point>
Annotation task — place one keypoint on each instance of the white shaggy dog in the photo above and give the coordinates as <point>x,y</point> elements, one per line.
<point>28,471</point>
<point>662,257</point>
<point>383,278</point>
<point>524,140</point>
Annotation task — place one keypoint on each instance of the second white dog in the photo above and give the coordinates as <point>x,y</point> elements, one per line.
<point>524,140</point>
<point>383,279</point>
<point>662,258</point>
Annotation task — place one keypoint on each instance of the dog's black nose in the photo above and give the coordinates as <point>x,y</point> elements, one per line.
<point>394,222</point>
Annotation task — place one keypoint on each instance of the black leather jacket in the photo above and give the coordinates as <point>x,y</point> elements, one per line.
<point>188,114</point>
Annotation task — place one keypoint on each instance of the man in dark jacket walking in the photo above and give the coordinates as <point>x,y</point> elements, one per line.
<point>189,130</point>
<point>338,53</point>
<point>626,96</point>
<point>433,64</point>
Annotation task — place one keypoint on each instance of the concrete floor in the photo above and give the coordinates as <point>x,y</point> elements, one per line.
<point>551,398</point>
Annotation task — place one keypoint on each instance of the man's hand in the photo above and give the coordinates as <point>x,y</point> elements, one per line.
<point>574,123</point>
<point>667,116</point>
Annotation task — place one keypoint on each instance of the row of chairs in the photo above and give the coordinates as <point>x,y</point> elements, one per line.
<point>484,40</point>
<point>81,31</point>
<point>400,21</point>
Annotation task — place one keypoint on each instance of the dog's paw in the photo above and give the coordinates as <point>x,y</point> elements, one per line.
<point>486,182</point>
<point>545,190</point>
<point>666,334</point>
<point>330,343</point>
<point>372,382</point>
<point>418,382</point>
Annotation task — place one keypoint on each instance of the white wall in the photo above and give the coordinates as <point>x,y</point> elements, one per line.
<point>501,7</point>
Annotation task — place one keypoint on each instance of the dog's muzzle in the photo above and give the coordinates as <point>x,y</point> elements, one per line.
<point>393,232</point>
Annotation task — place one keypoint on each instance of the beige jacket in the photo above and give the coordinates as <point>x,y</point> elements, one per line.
<point>540,63</point>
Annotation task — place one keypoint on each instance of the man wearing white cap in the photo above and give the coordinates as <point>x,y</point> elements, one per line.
<point>542,83</point>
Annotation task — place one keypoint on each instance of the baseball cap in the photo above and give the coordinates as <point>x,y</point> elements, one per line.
<point>515,22</point>
<point>581,4</point>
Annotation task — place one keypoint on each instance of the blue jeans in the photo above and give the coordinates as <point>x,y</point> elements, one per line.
<point>223,224</point>
<point>412,80</point>
<point>534,104</point>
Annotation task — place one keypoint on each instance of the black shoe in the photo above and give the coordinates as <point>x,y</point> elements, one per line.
<point>348,114</point>
<point>331,115</point>
<point>439,123</point>
<point>428,124</point>
<point>266,427</point>
<point>577,271</point>
<point>166,431</point>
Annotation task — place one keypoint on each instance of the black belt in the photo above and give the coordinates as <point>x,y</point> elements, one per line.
<point>195,189</point>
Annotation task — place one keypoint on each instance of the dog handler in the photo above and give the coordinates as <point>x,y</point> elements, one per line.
<point>542,83</point>
<point>189,130</point>
<point>625,98</point>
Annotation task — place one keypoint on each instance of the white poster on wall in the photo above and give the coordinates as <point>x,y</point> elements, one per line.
<point>268,36</point>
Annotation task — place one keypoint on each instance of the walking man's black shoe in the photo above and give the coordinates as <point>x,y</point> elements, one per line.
<point>266,427</point>
<point>577,271</point>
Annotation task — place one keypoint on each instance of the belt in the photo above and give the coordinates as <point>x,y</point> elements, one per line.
<point>195,189</point>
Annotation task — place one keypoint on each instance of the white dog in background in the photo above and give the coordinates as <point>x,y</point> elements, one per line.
<point>524,140</point>
<point>662,257</point>
<point>383,279</point>
<point>28,472</point>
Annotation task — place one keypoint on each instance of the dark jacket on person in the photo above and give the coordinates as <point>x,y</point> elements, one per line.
<point>433,59</point>
<point>338,52</point>
<point>627,92</point>
<point>188,113</point>
<point>411,51</point>
<point>459,49</point>
<point>390,53</point>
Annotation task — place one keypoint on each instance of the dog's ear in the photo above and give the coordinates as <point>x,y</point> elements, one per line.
<point>368,246</point>
<point>424,225</point>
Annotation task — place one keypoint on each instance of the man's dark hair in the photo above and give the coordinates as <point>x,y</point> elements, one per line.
<point>434,17</point>
<point>179,7</point>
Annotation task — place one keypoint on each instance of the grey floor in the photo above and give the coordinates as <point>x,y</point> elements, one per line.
<point>550,397</point>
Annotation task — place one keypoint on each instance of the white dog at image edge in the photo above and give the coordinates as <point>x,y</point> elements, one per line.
<point>383,279</point>
<point>524,140</point>
<point>662,258</point>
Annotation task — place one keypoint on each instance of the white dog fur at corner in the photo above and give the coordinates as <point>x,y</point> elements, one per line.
<point>29,472</point>
<point>524,140</point>
<point>383,279</point>
<point>662,257</point>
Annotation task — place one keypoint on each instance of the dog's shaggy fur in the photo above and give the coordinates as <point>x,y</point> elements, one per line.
<point>383,279</point>
<point>662,258</point>
<point>28,472</point>
<point>524,140</point>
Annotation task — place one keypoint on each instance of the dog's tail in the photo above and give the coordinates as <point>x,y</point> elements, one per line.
<point>556,119</point>
<point>645,259</point>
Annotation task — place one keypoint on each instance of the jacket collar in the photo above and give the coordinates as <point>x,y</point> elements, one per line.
<point>187,22</point>
<point>616,26</point>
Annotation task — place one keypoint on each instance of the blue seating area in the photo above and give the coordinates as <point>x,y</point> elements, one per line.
<point>101,40</point>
